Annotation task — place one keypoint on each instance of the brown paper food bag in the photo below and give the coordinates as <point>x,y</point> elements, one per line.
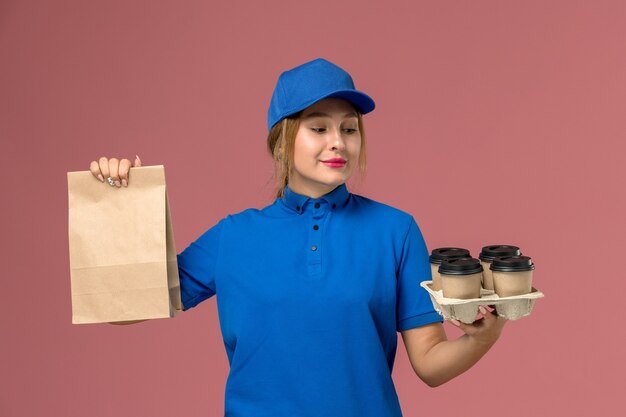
<point>122,251</point>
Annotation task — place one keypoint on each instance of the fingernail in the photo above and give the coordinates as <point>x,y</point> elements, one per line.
<point>482,310</point>
<point>137,156</point>
<point>117,183</point>
<point>455,322</point>
<point>125,183</point>
<point>100,177</point>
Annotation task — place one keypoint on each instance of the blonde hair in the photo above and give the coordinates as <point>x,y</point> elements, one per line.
<point>280,144</point>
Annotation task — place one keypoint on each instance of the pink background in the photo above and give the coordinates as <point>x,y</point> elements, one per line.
<point>496,122</point>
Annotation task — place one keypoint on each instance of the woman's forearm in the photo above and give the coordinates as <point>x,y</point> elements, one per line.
<point>451,358</point>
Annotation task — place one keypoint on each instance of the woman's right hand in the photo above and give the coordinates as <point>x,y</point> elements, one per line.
<point>114,168</point>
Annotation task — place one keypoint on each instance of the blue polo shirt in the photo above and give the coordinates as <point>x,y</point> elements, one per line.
<point>310,295</point>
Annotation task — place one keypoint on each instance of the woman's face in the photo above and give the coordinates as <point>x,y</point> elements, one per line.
<point>329,129</point>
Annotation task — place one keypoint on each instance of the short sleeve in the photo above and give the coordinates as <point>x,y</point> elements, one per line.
<point>413,305</point>
<point>196,267</point>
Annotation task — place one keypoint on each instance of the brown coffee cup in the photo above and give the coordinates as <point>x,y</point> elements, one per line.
<point>488,254</point>
<point>512,275</point>
<point>437,256</point>
<point>461,277</point>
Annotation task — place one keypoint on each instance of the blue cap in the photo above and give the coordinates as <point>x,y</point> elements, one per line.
<point>300,87</point>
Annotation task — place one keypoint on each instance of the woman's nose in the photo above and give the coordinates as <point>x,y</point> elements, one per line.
<point>337,140</point>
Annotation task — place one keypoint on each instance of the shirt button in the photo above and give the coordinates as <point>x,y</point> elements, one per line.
<point>316,227</point>
<point>334,205</point>
<point>317,205</point>
<point>313,247</point>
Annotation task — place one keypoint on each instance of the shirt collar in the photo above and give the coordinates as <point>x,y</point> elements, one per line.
<point>336,198</point>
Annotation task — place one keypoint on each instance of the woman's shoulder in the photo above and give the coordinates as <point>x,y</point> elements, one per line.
<point>383,219</point>
<point>243,215</point>
<point>250,215</point>
<point>378,208</point>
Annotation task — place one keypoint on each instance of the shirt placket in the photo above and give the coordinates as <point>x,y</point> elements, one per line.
<point>318,212</point>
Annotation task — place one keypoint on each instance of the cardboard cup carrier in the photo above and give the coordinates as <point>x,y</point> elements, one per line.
<point>512,308</point>
<point>514,283</point>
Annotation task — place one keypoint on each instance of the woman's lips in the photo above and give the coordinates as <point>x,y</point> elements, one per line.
<point>334,164</point>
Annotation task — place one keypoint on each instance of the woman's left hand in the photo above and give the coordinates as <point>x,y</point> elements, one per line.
<point>485,330</point>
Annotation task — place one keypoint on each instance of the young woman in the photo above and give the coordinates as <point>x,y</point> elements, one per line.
<point>313,288</point>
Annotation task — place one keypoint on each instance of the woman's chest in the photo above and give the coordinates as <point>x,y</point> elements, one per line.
<point>271,265</point>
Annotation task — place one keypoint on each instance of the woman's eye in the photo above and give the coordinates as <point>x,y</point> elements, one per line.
<point>323,129</point>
